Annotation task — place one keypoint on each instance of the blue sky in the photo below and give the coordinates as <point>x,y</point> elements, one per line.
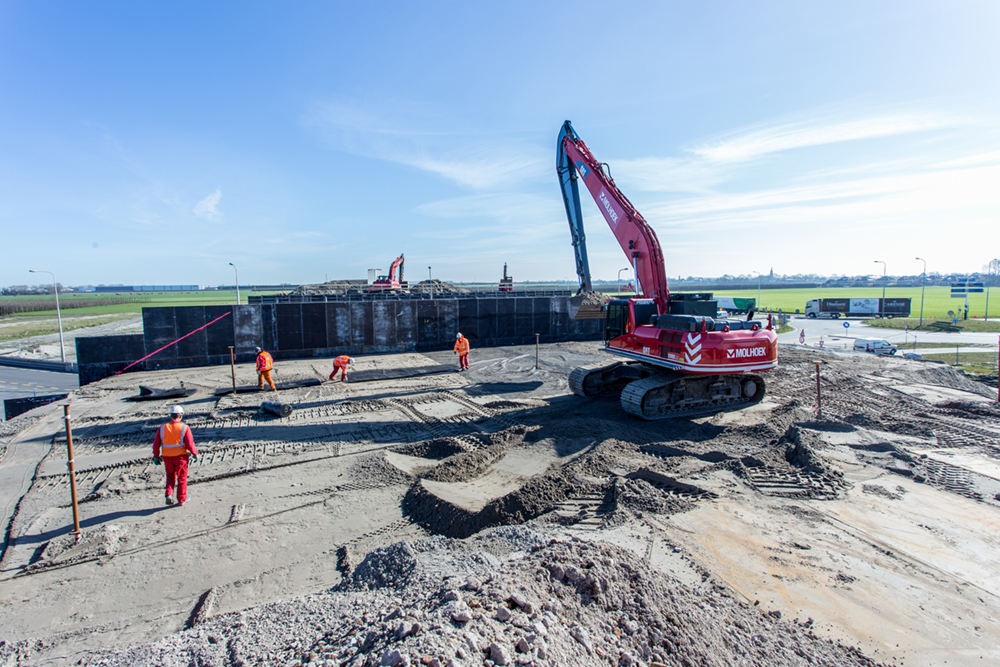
<point>148,143</point>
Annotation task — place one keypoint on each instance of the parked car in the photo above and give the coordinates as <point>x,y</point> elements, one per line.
<point>874,345</point>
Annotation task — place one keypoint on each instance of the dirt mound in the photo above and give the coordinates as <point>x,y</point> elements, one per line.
<point>332,287</point>
<point>564,603</point>
<point>800,451</point>
<point>437,287</point>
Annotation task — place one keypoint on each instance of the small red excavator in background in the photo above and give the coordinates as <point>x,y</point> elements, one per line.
<point>679,359</point>
<point>507,282</point>
<point>390,282</point>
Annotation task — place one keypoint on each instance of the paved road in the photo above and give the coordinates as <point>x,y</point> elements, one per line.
<point>18,382</point>
<point>835,335</point>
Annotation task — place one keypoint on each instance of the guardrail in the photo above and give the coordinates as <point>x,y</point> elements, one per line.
<point>38,364</point>
<point>400,296</point>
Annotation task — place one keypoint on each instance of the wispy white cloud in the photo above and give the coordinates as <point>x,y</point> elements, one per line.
<point>208,207</point>
<point>651,174</point>
<point>989,157</point>
<point>748,145</point>
<point>856,202</point>
<point>462,157</point>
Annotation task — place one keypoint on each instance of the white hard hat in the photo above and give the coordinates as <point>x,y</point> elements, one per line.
<point>257,349</point>
<point>352,361</point>
<point>458,335</point>
<point>177,410</point>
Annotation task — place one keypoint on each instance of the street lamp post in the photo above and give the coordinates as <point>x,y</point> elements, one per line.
<point>237,282</point>
<point>881,306</point>
<point>55,289</point>
<point>620,278</point>
<point>923,282</point>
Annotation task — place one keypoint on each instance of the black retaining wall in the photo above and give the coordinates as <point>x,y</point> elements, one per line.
<point>326,329</point>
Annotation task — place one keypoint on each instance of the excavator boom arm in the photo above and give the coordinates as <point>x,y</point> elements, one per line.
<point>397,264</point>
<point>636,238</point>
<point>571,199</point>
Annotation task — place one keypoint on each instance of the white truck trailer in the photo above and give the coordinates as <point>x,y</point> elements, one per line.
<point>868,308</point>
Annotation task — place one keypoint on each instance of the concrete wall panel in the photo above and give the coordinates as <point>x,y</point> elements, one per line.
<point>362,327</point>
<point>384,319</point>
<point>448,314</point>
<point>188,320</point>
<point>159,328</point>
<point>406,323</point>
<point>247,325</point>
<point>338,326</point>
<point>314,326</point>
<point>289,316</point>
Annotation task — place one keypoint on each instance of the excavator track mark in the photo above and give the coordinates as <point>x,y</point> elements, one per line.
<point>671,395</point>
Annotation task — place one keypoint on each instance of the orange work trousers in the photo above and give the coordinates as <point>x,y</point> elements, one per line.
<point>262,376</point>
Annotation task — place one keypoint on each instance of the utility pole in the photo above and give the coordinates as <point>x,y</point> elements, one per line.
<point>923,283</point>
<point>237,282</point>
<point>55,290</point>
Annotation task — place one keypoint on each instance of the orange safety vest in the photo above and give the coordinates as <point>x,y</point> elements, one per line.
<point>462,345</point>
<point>172,439</point>
<point>264,362</point>
<point>342,360</point>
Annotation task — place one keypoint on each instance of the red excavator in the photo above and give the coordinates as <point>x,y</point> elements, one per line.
<point>679,359</point>
<point>507,282</point>
<point>390,282</point>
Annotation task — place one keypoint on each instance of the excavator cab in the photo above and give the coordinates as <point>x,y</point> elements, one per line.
<point>624,315</point>
<point>616,323</point>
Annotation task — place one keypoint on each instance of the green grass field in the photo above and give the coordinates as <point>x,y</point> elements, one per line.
<point>981,363</point>
<point>149,299</point>
<point>943,325</point>
<point>937,300</point>
<point>39,323</point>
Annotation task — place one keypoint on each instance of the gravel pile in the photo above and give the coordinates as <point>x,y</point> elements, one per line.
<point>440,602</point>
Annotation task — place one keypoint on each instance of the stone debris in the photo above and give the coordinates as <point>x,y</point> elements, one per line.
<point>599,605</point>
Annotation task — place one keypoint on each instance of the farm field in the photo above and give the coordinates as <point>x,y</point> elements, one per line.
<point>150,299</point>
<point>937,300</point>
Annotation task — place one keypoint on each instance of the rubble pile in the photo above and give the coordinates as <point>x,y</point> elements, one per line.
<point>442,603</point>
<point>333,287</point>
<point>437,287</point>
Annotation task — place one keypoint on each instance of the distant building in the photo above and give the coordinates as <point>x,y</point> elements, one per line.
<point>147,288</point>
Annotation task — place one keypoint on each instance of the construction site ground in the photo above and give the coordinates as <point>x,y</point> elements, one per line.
<point>759,533</point>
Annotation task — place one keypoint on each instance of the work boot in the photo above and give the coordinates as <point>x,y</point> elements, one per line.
<point>170,500</point>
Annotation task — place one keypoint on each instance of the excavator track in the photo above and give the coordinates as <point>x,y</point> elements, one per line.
<point>606,379</point>
<point>670,394</point>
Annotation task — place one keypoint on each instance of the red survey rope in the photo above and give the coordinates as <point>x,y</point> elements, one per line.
<point>173,343</point>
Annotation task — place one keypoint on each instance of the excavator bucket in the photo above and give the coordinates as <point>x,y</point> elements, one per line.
<point>587,306</point>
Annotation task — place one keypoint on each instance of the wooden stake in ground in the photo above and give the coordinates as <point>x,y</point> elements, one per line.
<point>72,471</point>
<point>819,402</point>
<point>536,351</point>
<point>232,365</point>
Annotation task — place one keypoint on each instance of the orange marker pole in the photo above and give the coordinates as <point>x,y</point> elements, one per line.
<point>819,403</point>
<point>72,471</point>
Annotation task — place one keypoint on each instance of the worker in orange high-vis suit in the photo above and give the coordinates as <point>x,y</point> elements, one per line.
<point>462,350</point>
<point>173,446</point>
<point>340,364</point>
<point>265,363</point>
